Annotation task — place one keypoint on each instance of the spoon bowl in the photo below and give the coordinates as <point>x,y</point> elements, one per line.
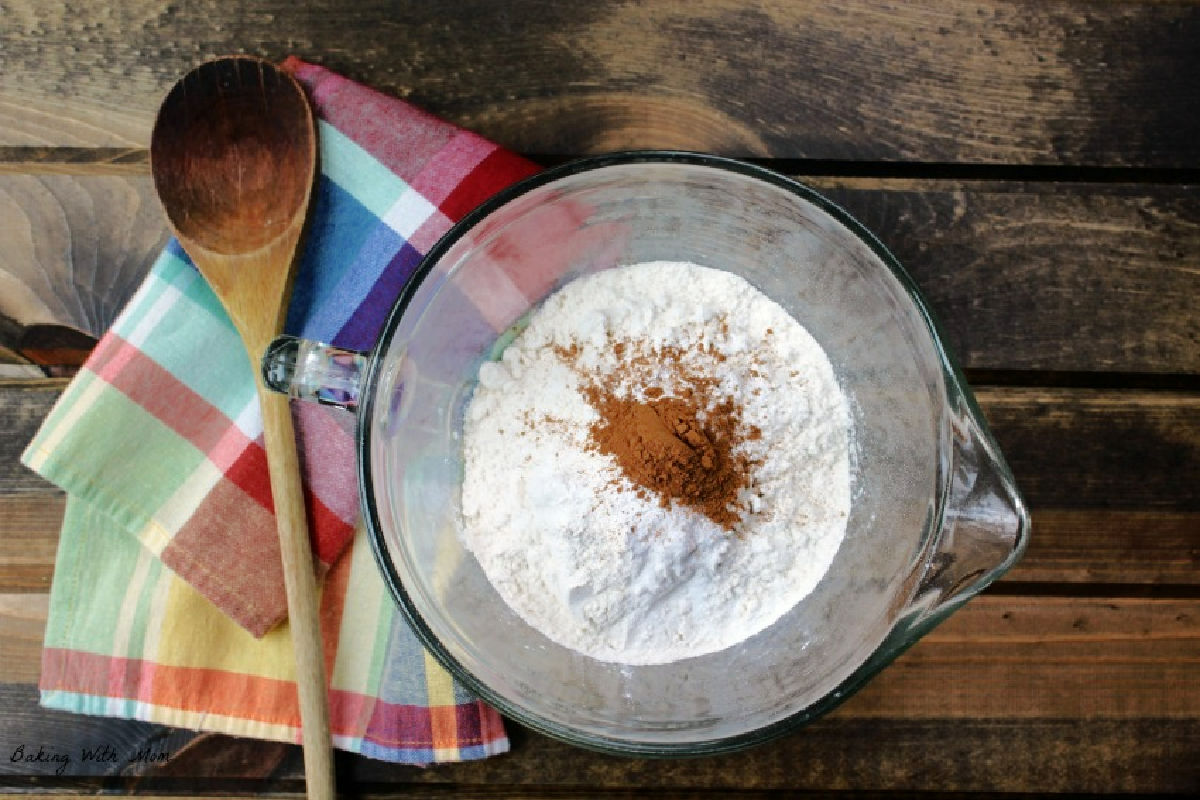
<point>233,152</point>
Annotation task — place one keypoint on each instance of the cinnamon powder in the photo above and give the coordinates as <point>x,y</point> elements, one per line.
<point>670,446</point>
<point>682,448</point>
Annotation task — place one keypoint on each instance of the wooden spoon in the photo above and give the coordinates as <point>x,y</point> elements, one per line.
<point>234,157</point>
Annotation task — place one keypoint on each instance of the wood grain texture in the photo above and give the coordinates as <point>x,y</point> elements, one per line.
<point>830,756</point>
<point>23,406</point>
<point>845,755</point>
<point>1080,546</point>
<point>997,658</point>
<point>29,525</point>
<point>26,726</point>
<point>1068,546</point>
<point>22,620</point>
<point>1050,276</point>
<point>1068,448</point>
<point>1076,674</point>
<point>40,117</point>
<point>15,367</point>
<point>1096,518</point>
<point>861,755</point>
<point>1027,276</point>
<point>72,250</point>
<point>66,160</point>
<point>409,792</point>
<point>997,81</point>
<point>1085,448</point>
<point>1024,690</point>
<point>223,756</point>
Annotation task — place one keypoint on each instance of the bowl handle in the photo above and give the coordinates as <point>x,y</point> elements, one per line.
<point>309,370</point>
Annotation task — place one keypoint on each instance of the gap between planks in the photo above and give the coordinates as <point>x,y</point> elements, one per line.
<point>1087,283</point>
<point>900,176</point>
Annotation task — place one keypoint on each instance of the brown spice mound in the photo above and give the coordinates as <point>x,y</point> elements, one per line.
<point>664,446</point>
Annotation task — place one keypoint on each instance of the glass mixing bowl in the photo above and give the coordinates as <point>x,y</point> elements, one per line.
<point>935,513</point>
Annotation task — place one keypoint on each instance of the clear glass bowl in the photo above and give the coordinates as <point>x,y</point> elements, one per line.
<point>935,514</point>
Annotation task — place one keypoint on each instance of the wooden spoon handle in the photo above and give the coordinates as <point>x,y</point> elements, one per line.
<point>301,584</point>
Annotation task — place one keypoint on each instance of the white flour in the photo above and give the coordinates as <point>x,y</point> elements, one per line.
<point>563,535</point>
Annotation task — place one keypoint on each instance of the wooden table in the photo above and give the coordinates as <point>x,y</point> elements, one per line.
<point>1035,166</point>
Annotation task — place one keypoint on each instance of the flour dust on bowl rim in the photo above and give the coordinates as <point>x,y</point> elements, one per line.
<point>935,515</point>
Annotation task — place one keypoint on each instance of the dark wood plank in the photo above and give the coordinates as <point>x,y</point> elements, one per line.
<point>1095,519</point>
<point>1042,276</point>
<point>831,755</point>
<point>976,705</point>
<point>1068,448</point>
<point>61,738</point>
<point>1068,546</point>
<point>858,755</point>
<point>1145,755</point>
<point>1085,448</point>
<point>1001,81</point>
<point>219,756</point>
<point>1047,658</point>
<point>1083,277</point>
<point>1080,546</point>
<point>997,658</point>
<point>23,406</point>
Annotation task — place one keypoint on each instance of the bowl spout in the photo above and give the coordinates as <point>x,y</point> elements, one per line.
<point>984,520</point>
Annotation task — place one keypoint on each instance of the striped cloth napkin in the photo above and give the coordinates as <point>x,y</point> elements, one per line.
<point>168,593</point>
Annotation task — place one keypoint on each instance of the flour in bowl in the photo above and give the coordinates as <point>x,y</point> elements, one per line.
<point>657,467</point>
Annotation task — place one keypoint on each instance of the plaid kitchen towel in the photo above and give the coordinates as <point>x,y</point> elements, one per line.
<point>158,443</point>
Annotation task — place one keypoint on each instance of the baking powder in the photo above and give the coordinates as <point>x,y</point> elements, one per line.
<point>597,563</point>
